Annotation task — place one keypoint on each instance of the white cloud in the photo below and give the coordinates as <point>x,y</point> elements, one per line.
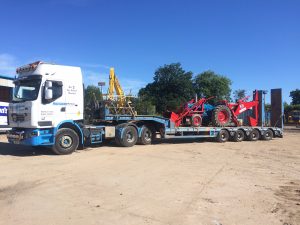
<point>132,85</point>
<point>129,85</point>
<point>8,64</point>
<point>92,74</point>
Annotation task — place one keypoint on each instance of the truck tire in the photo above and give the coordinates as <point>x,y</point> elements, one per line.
<point>238,136</point>
<point>268,135</point>
<point>223,136</point>
<point>221,116</point>
<point>253,136</point>
<point>196,120</point>
<point>66,141</point>
<point>117,141</point>
<point>129,136</point>
<point>146,136</point>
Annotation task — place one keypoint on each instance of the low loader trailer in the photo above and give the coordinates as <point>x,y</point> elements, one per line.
<point>48,110</point>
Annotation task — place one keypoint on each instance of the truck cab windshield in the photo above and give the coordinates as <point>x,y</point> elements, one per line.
<point>27,89</point>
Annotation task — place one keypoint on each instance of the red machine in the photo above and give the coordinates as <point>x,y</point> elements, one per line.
<point>227,113</point>
<point>223,115</point>
<point>191,114</point>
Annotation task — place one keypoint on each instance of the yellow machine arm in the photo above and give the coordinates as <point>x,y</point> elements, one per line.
<point>120,104</point>
<point>114,84</point>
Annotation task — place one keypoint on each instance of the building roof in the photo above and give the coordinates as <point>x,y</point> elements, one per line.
<point>6,77</point>
<point>6,81</point>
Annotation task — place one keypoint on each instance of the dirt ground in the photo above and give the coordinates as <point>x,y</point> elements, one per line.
<point>178,183</point>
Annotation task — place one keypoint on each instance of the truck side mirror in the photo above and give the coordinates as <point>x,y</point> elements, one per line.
<point>48,94</point>
<point>48,90</point>
<point>48,84</point>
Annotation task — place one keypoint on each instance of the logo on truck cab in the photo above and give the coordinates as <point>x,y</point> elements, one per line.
<point>3,110</point>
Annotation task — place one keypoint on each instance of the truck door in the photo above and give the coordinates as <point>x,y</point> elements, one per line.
<point>53,109</point>
<point>74,100</point>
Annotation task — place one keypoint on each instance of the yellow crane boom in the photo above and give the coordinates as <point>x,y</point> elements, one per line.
<point>114,85</point>
<point>118,102</point>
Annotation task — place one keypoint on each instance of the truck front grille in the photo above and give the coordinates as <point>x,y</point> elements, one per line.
<point>18,117</point>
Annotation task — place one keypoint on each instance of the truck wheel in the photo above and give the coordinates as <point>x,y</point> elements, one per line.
<point>66,141</point>
<point>223,136</point>
<point>221,116</point>
<point>117,140</point>
<point>268,135</point>
<point>253,136</point>
<point>238,136</point>
<point>196,120</point>
<point>146,136</point>
<point>129,136</point>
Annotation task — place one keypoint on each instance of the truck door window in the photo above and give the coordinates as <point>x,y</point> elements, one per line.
<point>57,90</point>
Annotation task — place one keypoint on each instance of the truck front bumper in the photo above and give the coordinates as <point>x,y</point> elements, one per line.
<point>31,137</point>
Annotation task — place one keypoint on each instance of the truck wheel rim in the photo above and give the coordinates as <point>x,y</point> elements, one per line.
<point>148,135</point>
<point>223,116</point>
<point>223,136</point>
<point>130,136</point>
<point>66,141</point>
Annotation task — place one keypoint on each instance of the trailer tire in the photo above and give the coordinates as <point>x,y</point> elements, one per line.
<point>221,116</point>
<point>66,141</point>
<point>238,136</point>
<point>223,136</point>
<point>146,136</point>
<point>129,136</point>
<point>268,135</point>
<point>253,136</point>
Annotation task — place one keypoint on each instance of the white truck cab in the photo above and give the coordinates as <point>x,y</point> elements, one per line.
<point>46,97</point>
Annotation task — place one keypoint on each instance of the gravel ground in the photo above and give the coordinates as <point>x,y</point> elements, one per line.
<point>168,183</point>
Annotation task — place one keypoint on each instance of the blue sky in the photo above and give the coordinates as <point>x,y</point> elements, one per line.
<point>255,43</point>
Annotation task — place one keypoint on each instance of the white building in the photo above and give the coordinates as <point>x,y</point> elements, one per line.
<point>6,87</point>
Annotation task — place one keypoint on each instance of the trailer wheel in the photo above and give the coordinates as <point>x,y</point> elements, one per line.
<point>221,116</point>
<point>196,120</point>
<point>128,137</point>
<point>253,136</point>
<point>66,141</point>
<point>146,136</point>
<point>223,136</point>
<point>268,135</point>
<point>238,136</point>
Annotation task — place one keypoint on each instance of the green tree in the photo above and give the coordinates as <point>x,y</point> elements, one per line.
<point>239,94</point>
<point>92,96</point>
<point>267,107</point>
<point>209,84</point>
<point>171,87</point>
<point>143,106</point>
<point>295,95</point>
<point>92,93</point>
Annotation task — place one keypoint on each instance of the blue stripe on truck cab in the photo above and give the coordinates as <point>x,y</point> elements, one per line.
<point>40,136</point>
